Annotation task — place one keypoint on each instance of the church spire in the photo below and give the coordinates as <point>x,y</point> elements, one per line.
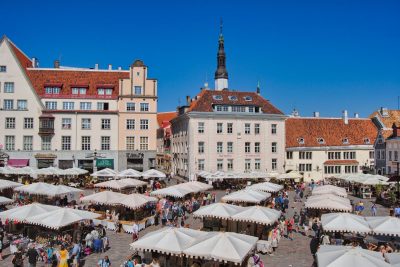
<point>221,74</point>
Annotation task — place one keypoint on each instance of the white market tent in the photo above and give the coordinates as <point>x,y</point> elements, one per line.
<point>64,190</point>
<point>104,173</point>
<point>257,214</point>
<point>330,189</point>
<point>247,196</point>
<point>180,190</point>
<point>344,222</point>
<point>61,217</point>
<point>290,175</point>
<point>393,259</point>
<point>75,171</point>
<point>5,184</point>
<point>130,173</point>
<point>5,200</point>
<point>47,189</point>
<point>196,186</point>
<point>384,225</point>
<point>168,240</point>
<point>340,256</point>
<point>120,184</point>
<point>133,201</point>
<point>218,210</point>
<point>328,202</point>
<point>272,174</point>
<point>23,212</point>
<point>266,187</point>
<point>222,246</point>
<point>103,198</point>
<point>49,171</point>
<point>366,179</point>
<point>152,173</point>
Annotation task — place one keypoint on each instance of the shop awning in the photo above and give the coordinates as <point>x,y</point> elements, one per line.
<point>18,162</point>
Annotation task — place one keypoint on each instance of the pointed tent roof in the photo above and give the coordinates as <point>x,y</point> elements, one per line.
<point>218,210</point>
<point>129,173</point>
<point>344,222</point>
<point>266,187</point>
<point>246,195</point>
<point>330,189</point>
<point>134,201</point>
<point>120,184</point>
<point>4,184</point>
<point>39,188</point>
<point>103,198</point>
<point>384,225</point>
<point>258,214</point>
<point>153,173</point>
<point>5,200</point>
<point>105,173</point>
<point>23,212</point>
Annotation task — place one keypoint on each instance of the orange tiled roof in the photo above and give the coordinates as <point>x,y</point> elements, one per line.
<point>332,130</point>
<point>204,101</point>
<point>22,58</point>
<point>341,162</point>
<point>394,117</point>
<point>165,117</point>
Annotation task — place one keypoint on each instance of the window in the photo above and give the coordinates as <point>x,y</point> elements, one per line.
<point>130,143</point>
<point>349,155</point>
<point>305,167</point>
<point>10,123</point>
<point>104,91</point>
<point>46,142</point>
<point>321,141</point>
<point>79,90</point>
<point>200,127</point>
<point>372,154</point>
<point>367,141</point>
<point>273,128</point>
<point>390,155</point>
<point>247,164</point>
<point>144,143</point>
<point>257,164</point>
<point>301,141</point>
<point>232,98</point>
<point>274,164</point>
<point>289,155</point>
<point>219,127</point>
<point>86,123</point>
<point>257,128</point>
<point>396,155</point>
<point>229,128</point>
<point>102,106</point>
<point>200,147</point>
<point>218,108</point>
<point>251,109</point>
<point>229,147</point>
<point>3,68</point>
<point>10,142</point>
<point>8,104</point>
<point>219,147</point>
<point>247,147</point>
<point>230,165</point>
<point>305,155</point>
<point>28,142</point>
<point>273,147</point>
<point>65,142</point>
<point>105,124</point>
<point>8,87</point>
<point>248,98</point>
<point>52,90</point>
<point>66,123</point>
<point>345,141</point>
<point>105,143</point>
<point>130,124</point>
<point>130,106</point>
<point>86,106</point>
<point>68,105</point>
<point>137,90</point>
<point>85,143</point>
<point>52,105</point>
<point>28,123</point>
<point>144,107</point>
<point>238,109</point>
<point>144,124</point>
<point>22,104</point>
<point>220,164</point>
<point>247,128</point>
<point>217,97</point>
<point>257,147</point>
<point>200,164</point>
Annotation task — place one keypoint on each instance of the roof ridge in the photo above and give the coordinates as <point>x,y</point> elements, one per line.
<point>16,47</point>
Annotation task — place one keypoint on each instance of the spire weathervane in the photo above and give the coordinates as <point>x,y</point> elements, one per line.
<point>221,74</point>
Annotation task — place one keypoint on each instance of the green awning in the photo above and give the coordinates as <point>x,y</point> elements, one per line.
<point>105,163</point>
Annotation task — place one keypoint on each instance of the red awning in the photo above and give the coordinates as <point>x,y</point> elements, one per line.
<point>18,162</point>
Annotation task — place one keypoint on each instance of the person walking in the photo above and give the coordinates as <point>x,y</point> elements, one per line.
<point>63,258</point>
<point>18,259</point>
<point>105,262</point>
<point>32,255</point>
<point>374,209</point>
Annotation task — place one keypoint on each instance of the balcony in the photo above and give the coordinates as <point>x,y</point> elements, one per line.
<point>46,125</point>
<point>46,131</point>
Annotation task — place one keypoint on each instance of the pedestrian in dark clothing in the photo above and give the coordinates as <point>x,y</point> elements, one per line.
<point>33,256</point>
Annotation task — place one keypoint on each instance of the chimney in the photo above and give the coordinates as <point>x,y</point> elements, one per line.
<point>96,66</point>
<point>345,117</point>
<point>395,130</point>
<point>258,90</point>
<point>188,100</point>
<point>295,113</point>
<point>56,64</point>
<point>109,67</point>
<point>35,62</point>
<point>316,114</point>
<point>356,115</point>
<point>384,112</point>
<point>119,68</point>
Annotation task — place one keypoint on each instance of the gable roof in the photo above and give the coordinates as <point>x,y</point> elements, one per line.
<point>332,130</point>
<point>165,117</point>
<point>204,101</point>
<point>393,117</point>
<point>23,59</point>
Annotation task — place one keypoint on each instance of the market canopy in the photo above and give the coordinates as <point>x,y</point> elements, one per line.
<point>5,184</point>
<point>168,240</point>
<point>23,212</point>
<point>133,201</point>
<point>344,222</point>
<point>393,259</point>
<point>290,175</point>
<point>47,189</point>
<point>61,217</point>
<point>104,173</point>
<point>49,171</point>
<point>152,173</point>
<point>247,196</point>
<point>102,198</point>
<point>130,173</point>
<point>384,225</point>
<point>5,200</point>
<point>266,187</point>
<point>218,210</point>
<point>75,171</point>
<point>329,189</point>
<point>328,202</point>
<point>222,246</point>
<point>120,184</point>
<point>180,190</point>
<point>257,214</point>
<point>340,256</point>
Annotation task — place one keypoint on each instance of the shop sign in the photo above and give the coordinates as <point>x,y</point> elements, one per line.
<point>105,163</point>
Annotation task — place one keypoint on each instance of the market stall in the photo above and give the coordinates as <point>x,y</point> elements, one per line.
<point>329,189</point>
<point>246,196</point>
<point>129,173</point>
<point>123,185</point>
<point>266,187</point>
<point>181,190</point>
<point>152,173</point>
<point>328,202</point>
<point>344,222</point>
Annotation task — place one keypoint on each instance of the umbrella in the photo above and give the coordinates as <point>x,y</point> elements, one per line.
<point>339,256</point>
<point>134,201</point>
<point>330,189</point>
<point>257,214</point>
<point>5,184</point>
<point>5,201</point>
<point>104,173</point>
<point>384,225</point>
<point>222,246</point>
<point>103,198</point>
<point>266,187</point>
<point>246,195</point>
<point>344,222</point>
<point>152,173</point>
<point>218,210</point>
<point>130,173</point>
<point>168,240</point>
<point>23,212</point>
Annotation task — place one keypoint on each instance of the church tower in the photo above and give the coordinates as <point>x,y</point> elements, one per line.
<point>221,74</point>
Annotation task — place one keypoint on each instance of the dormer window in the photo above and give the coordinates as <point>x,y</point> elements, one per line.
<point>248,98</point>
<point>321,141</point>
<point>345,141</point>
<point>232,98</point>
<point>79,90</point>
<point>104,91</point>
<point>367,141</point>
<point>52,90</point>
<point>301,141</point>
<point>217,97</point>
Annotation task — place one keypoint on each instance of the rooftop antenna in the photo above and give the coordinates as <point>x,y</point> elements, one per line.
<point>398,102</point>
<point>206,81</point>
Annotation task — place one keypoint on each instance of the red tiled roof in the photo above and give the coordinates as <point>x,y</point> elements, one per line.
<point>341,162</point>
<point>394,117</point>
<point>204,101</point>
<point>164,117</point>
<point>22,58</point>
<point>75,78</point>
<point>332,130</point>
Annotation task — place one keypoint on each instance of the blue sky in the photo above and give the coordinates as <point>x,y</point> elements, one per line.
<point>321,56</point>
